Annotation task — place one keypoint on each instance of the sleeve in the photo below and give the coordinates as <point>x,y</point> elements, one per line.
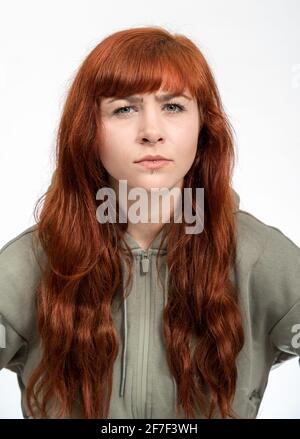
<point>285,335</point>
<point>281,276</point>
<point>13,347</point>
<point>18,277</point>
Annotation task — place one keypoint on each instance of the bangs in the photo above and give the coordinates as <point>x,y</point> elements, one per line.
<point>144,67</point>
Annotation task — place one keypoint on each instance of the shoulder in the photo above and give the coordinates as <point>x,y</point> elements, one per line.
<point>268,270</point>
<point>20,242</point>
<point>259,242</point>
<point>20,270</point>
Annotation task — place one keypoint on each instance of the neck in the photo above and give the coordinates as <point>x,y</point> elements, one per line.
<point>147,214</point>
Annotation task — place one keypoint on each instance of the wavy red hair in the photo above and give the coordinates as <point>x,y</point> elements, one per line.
<point>83,257</point>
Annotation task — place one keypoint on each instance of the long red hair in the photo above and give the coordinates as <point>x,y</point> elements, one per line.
<point>83,256</point>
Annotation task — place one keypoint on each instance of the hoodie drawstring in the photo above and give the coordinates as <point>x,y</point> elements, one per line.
<point>123,372</point>
<point>166,290</point>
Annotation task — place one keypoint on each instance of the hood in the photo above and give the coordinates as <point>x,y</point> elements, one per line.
<point>143,260</point>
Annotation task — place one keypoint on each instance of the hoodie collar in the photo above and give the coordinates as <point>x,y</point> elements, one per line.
<point>154,246</point>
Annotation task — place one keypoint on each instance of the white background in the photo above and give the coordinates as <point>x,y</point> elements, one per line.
<point>253,48</point>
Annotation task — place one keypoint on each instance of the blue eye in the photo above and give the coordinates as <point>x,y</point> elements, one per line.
<point>178,106</point>
<point>118,110</point>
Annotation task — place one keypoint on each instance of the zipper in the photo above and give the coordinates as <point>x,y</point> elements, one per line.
<point>143,347</point>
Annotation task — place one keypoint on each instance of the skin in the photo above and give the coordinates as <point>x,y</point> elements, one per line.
<point>148,127</point>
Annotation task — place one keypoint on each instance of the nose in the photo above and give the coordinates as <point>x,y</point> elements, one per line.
<point>152,139</point>
<point>150,130</point>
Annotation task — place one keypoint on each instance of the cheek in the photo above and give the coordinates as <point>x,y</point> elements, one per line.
<point>192,138</point>
<point>189,156</point>
<point>109,147</point>
<point>187,142</point>
<point>186,150</point>
<point>115,157</point>
<point>115,140</point>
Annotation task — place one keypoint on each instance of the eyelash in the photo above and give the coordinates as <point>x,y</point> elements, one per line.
<point>181,108</point>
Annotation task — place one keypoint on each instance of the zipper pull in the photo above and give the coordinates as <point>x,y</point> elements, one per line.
<point>145,262</point>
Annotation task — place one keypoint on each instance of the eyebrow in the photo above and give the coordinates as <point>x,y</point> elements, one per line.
<point>161,98</point>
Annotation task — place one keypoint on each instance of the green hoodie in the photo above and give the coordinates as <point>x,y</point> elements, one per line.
<point>267,274</point>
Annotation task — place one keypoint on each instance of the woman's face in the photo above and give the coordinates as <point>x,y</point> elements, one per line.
<point>154,126</point>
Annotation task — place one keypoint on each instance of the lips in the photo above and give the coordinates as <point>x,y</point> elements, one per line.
<point>151,158</point>
<point>153,164</point>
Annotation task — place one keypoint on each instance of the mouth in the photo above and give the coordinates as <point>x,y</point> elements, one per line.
<point>153,164</point>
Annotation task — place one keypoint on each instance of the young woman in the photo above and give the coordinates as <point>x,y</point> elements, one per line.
<point>133,319</point>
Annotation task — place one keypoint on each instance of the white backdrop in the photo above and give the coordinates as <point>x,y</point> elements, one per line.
<point>253,48</point>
